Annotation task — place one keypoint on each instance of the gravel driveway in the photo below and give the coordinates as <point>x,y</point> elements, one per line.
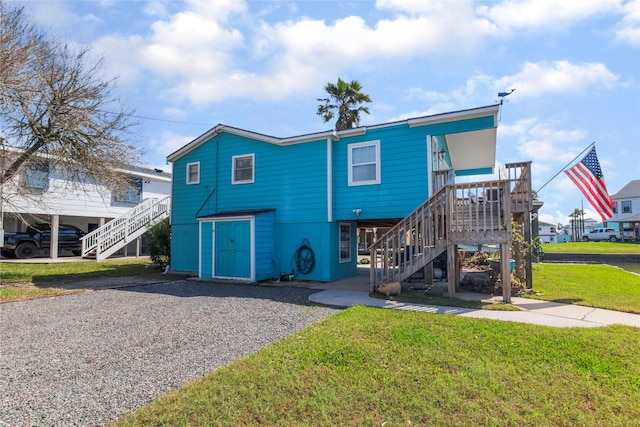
<point>86,359</point>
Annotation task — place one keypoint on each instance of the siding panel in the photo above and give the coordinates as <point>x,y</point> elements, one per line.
<point>264,241</point>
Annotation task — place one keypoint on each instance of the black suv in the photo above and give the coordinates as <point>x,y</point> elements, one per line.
<point>26,245</point>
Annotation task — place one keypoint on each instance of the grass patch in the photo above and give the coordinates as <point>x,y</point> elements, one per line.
<point>10,293</point>
<point>592,248</point>
<point>367,366</point>
<point>601,286</point>
<point>22,281</point>
<point>40,272</point>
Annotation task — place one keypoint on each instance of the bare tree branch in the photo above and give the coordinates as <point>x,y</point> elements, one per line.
<point>54,103</point>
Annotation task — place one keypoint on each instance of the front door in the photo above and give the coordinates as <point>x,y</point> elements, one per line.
<point>233,249</point>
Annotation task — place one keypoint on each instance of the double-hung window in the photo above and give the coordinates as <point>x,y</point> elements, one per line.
<point>243,171</point>
<point>364,163</point>
<point>133,193</point>
<point>193,173</point>
<point>626,206</point>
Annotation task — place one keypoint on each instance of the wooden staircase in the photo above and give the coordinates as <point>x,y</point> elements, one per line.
<point>470,213</point>
<point>103,242</point>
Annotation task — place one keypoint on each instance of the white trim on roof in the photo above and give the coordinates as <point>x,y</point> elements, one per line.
<point>447,117</point>
<point>334,135</point>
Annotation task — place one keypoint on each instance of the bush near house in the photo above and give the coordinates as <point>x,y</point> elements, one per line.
<point>159,239</point>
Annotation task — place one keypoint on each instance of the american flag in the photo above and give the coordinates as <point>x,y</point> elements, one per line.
<point>587,175</point>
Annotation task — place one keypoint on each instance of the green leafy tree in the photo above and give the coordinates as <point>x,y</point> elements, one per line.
<point>344,100</point>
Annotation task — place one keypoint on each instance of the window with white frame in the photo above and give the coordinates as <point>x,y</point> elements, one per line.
<point>364,163</point>
<point>133,193</point>
<point>37,175</point>
<point>345,242</point>
<point>193,173</point>
<point>243,169</point>
<point>626,206</point>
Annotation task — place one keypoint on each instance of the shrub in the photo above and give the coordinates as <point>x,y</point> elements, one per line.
<point>159,239</point>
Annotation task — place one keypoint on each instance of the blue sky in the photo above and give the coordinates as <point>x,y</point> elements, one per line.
<point>261,65</point>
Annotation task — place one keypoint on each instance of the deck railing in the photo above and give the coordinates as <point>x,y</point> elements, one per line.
<point>479,212</point>
<point>472,213</point>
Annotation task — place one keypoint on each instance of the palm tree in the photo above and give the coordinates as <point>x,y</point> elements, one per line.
<point>577,224</point>
<point>344,100</point>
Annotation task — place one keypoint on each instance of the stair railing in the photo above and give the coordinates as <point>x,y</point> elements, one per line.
<point>473,213</point>
<point>411,243</point>
<point>106,240</point>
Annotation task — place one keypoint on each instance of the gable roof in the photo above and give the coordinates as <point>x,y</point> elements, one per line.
<point>632,189</point>
<point>332,134</point>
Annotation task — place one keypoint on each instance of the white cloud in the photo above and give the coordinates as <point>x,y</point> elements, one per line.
<point>59,18</point>
<point>544,144</point>
<point>543,78</point>
<point>544,15</point>
<point>168,142</point>
<point>155,8</point>
<point>212,51</point>
<point>629,27</point>
<point>122,57</point>
<point>206,51</point>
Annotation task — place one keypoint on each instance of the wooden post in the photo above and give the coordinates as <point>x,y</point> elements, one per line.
<point>505,272</point>
<point>527,255</point>
<point>452,276</point>
<point>427,273</point>
<point>372,269</point>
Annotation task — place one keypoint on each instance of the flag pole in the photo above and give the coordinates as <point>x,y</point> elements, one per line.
<point>565,166</point>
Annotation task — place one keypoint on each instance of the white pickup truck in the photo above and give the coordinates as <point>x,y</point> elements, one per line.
<point>605,234</point>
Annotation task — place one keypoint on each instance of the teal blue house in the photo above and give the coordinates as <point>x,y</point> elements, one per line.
<point>248,206</point>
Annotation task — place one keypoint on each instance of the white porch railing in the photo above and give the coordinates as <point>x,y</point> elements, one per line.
<point>117,233</point>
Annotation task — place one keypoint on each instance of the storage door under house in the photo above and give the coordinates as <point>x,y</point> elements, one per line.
<point>232,249</point>
<point>237,246</point>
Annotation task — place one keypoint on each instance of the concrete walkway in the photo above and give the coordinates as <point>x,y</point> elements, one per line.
<point>532,311</point>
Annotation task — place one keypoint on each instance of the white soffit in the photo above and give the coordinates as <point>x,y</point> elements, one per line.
<point>472,150</point>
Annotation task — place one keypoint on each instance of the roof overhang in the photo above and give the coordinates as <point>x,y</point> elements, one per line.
<point>472,153</point>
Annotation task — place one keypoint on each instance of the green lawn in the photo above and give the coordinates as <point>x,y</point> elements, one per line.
<point>367,367</point>
<point>24,281</point>
<point>592,248</point>
<point>592,285</point>
<point>39,272</point>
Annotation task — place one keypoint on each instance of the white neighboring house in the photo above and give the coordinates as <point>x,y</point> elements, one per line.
<point>627,207</point>
<point>40,195</point>
<point>548,233</point>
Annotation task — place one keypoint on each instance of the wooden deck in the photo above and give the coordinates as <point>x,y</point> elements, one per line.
<point>470,213</point>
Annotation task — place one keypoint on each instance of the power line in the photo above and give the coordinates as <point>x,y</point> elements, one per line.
<point>154,118</point>
<point>165,120</point>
